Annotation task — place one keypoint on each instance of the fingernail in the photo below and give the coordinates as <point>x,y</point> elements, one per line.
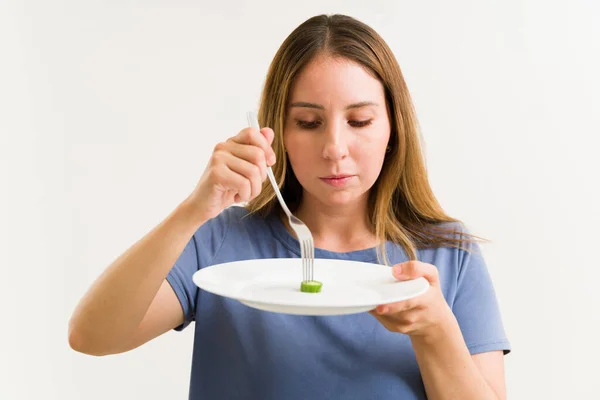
<point>398,270</point>
<point>383,310</point>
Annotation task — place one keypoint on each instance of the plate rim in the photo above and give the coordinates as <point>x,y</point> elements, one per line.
<point>425,286</point>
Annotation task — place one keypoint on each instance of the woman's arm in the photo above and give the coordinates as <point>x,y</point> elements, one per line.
<point>131,302</point>
<point>450,372</point>
<point>447,367</point>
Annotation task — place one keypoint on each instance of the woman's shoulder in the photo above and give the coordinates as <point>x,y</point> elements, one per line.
<point>457,247</point>
<point>233,234</point>
<point>232,220</point>
<point>451,236</point>
<point>234,213</point>
<point>241,216</point>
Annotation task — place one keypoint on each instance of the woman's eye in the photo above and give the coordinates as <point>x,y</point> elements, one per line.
<point>360,124</point>
<point>315,124</point>
<point>308,124</point>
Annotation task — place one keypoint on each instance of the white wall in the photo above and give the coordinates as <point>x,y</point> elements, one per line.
<point>109,110</point>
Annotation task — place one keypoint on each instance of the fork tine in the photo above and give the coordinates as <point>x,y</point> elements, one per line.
<point>305,263</point>
<point>302,260</point>
<point>312,260</point>
<point>313,256</point>
<point>306,260</point>
<point>310,277</point>
<point>305,243</point>
<point>303,255</point>
<point>310,257</point>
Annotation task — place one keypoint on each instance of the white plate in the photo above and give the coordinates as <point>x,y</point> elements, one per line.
<point>273,284</point>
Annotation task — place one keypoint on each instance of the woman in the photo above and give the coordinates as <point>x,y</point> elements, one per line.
<point>345,147</point>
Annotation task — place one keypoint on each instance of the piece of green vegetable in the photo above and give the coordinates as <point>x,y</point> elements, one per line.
<point>310,286</point>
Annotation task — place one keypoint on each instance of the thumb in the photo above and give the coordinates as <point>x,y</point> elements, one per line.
<point>270,136</point>
<point>415,269</point>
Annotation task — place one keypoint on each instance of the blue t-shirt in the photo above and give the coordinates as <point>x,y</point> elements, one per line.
<point>243,353</point>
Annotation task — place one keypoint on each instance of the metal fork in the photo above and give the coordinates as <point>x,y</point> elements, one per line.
<point>307,244</point>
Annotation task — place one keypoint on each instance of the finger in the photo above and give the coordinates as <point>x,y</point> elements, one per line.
<point>251,154</point>
<point>416,269</point>
<point>384,320</point>
<point>270,136</point>
<point>397,307</point>
<point>251,172</point>
<point>394,323</point>
<point>253,137</point>
<point>230,180</point>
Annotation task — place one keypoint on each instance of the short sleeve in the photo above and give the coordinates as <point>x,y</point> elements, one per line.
<point>198,253</point>
<point>476,307</point>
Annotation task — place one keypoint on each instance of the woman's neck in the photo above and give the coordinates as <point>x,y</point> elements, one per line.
<point>337,228</point>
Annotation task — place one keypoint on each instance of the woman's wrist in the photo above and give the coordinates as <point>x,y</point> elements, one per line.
<point>189,212</point>
<point>447,328</point>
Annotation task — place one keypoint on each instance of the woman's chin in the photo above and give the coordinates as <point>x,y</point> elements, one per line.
<point>341,199</point>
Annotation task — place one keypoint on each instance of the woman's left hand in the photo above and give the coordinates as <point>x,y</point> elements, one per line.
<point>426,315</point>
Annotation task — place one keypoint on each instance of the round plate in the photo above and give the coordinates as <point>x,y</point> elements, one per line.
<point>273,284</point>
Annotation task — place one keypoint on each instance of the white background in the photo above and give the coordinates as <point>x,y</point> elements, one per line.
<point>109,111</point>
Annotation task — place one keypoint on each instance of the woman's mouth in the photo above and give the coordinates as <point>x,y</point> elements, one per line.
<point>337,180</point>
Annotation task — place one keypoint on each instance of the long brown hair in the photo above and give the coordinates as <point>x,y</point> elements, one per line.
<point>401,207</point>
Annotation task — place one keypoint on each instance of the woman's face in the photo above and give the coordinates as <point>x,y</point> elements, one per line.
<point>336,131</point>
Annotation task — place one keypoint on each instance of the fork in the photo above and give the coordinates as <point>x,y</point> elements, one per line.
<point>307,244</point>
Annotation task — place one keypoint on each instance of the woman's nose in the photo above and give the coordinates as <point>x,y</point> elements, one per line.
<point>336,144</point>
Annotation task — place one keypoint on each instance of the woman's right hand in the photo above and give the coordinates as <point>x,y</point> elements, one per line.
<point>235,172</point>
<point>111,318</point>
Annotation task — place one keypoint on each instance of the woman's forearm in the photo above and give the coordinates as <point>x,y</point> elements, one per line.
<point>116,303</point>
<point>447,367</point>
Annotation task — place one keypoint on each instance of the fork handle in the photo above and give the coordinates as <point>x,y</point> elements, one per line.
<point>253,122</point>
<point>277,192</point>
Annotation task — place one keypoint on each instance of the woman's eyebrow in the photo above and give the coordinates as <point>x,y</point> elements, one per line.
<point>361,104</point>
<point>304,104</point>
